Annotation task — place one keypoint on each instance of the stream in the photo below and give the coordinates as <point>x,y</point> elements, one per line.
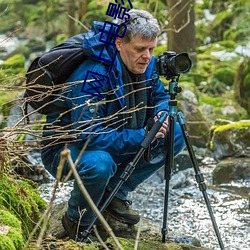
<point>187,212</point>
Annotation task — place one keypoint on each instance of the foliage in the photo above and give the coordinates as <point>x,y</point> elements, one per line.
<point>17,60</point>
<point>228,23</point>
<point>242,84</point>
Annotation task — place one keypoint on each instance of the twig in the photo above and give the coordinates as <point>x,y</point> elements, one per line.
<point>66,154</point>
<point>77,21</point>
<point>45,217</point>
<point>137,236</point>
<point>99,238</point>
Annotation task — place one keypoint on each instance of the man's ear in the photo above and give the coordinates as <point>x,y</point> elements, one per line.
<point>118,42</point>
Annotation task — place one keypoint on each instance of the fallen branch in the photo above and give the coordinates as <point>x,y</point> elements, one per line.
<point>66,154</point>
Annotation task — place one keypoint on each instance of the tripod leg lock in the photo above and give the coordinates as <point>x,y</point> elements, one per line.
<point>200,180</point>
<point>127,172</point>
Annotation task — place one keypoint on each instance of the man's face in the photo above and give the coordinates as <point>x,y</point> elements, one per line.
<point>137,53</point>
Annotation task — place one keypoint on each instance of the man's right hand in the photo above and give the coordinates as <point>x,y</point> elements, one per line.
<point>164,128</point>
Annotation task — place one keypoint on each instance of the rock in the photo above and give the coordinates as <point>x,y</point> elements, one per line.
<point>181,179</point>
<point>149,238</point>
<point>229,140</point>
<point>197,125</point>
<point>231,169</point>
<point>188,95</point>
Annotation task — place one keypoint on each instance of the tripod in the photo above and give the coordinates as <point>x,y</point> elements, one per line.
<point>173,90</point>
<point>169,163</point>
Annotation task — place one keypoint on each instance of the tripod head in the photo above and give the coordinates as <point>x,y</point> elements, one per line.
<point>174,89</point>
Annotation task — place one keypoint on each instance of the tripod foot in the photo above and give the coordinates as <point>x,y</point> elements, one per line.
<point>164,232</point>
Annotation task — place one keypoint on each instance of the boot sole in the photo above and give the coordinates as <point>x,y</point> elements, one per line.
<point>121,219</point>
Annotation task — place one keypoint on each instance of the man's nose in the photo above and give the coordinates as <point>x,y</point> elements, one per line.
<point>146,54</point>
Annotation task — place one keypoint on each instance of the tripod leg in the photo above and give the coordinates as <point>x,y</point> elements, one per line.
<point>199,177</point>
<point>168,173</point>
<point>129,169</point>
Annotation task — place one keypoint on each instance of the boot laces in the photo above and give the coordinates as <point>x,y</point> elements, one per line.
<point>127,203</point>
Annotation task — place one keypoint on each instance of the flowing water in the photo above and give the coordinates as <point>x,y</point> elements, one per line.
<point>187,212</point>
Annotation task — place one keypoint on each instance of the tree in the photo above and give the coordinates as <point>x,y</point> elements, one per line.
<point>181,26</point>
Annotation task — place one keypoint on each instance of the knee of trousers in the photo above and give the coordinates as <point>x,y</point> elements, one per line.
<point>97,165</point>
<point>179,142</point>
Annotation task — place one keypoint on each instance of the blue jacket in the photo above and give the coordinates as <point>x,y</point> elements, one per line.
<point>101,120</point>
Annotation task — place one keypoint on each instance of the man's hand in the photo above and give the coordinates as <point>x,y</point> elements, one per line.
<point>164,128</point>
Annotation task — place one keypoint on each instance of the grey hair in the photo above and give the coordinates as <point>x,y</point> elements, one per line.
<point>140,23</point>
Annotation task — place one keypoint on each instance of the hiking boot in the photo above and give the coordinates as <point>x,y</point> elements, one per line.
<point>75,231</point>
<point>121,211</point>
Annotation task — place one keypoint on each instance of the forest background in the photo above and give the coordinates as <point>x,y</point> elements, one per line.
<point>214,33</point>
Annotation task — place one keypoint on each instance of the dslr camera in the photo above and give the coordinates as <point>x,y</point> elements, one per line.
<point>171,65</point>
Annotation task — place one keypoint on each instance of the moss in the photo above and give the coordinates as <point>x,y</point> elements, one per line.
<point>214,101</point>
<point>16,237</point>
<point>6,243</point>
<point>128,244</point>
<point>16,61</point>
<point>236,125</point>
<point>228,45</point>
<point>219,103</point>
<point>10,220</point>
<point>22,200</point>
<point>221,132</point>
<point>13,239</point>
<point>225,75</point>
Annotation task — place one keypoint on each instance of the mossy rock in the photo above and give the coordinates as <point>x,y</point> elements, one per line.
<point>231,169</point>
<point>219,107</point>
<point>10,231</point>
<point>150,235</point>
<point>22,200</point>
<point>128,244</point>
<point>225,75</point>
<point>232,139</point>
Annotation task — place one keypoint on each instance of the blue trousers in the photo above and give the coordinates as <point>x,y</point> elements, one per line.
<point>100,170</point>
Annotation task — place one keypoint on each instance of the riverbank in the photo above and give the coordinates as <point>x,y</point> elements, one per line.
<point>188,215</point>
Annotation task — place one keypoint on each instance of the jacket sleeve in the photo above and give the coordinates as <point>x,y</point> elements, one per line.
<point>88,115</point>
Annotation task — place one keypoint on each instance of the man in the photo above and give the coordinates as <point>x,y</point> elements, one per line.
<point>111,125</point>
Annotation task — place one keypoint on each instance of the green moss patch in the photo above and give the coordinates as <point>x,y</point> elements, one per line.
<point>22,200</point>
<point>10,231</point>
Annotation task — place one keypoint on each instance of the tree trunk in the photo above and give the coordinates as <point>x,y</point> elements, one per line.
<point>83,7</point>
<point>72,13</point>
<point>181,27</point>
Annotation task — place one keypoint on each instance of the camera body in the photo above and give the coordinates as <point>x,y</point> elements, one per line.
<point>171,65</point>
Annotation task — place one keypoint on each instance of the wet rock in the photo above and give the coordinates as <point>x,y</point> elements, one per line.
<point>181,179</point>
<point>231,169</point>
